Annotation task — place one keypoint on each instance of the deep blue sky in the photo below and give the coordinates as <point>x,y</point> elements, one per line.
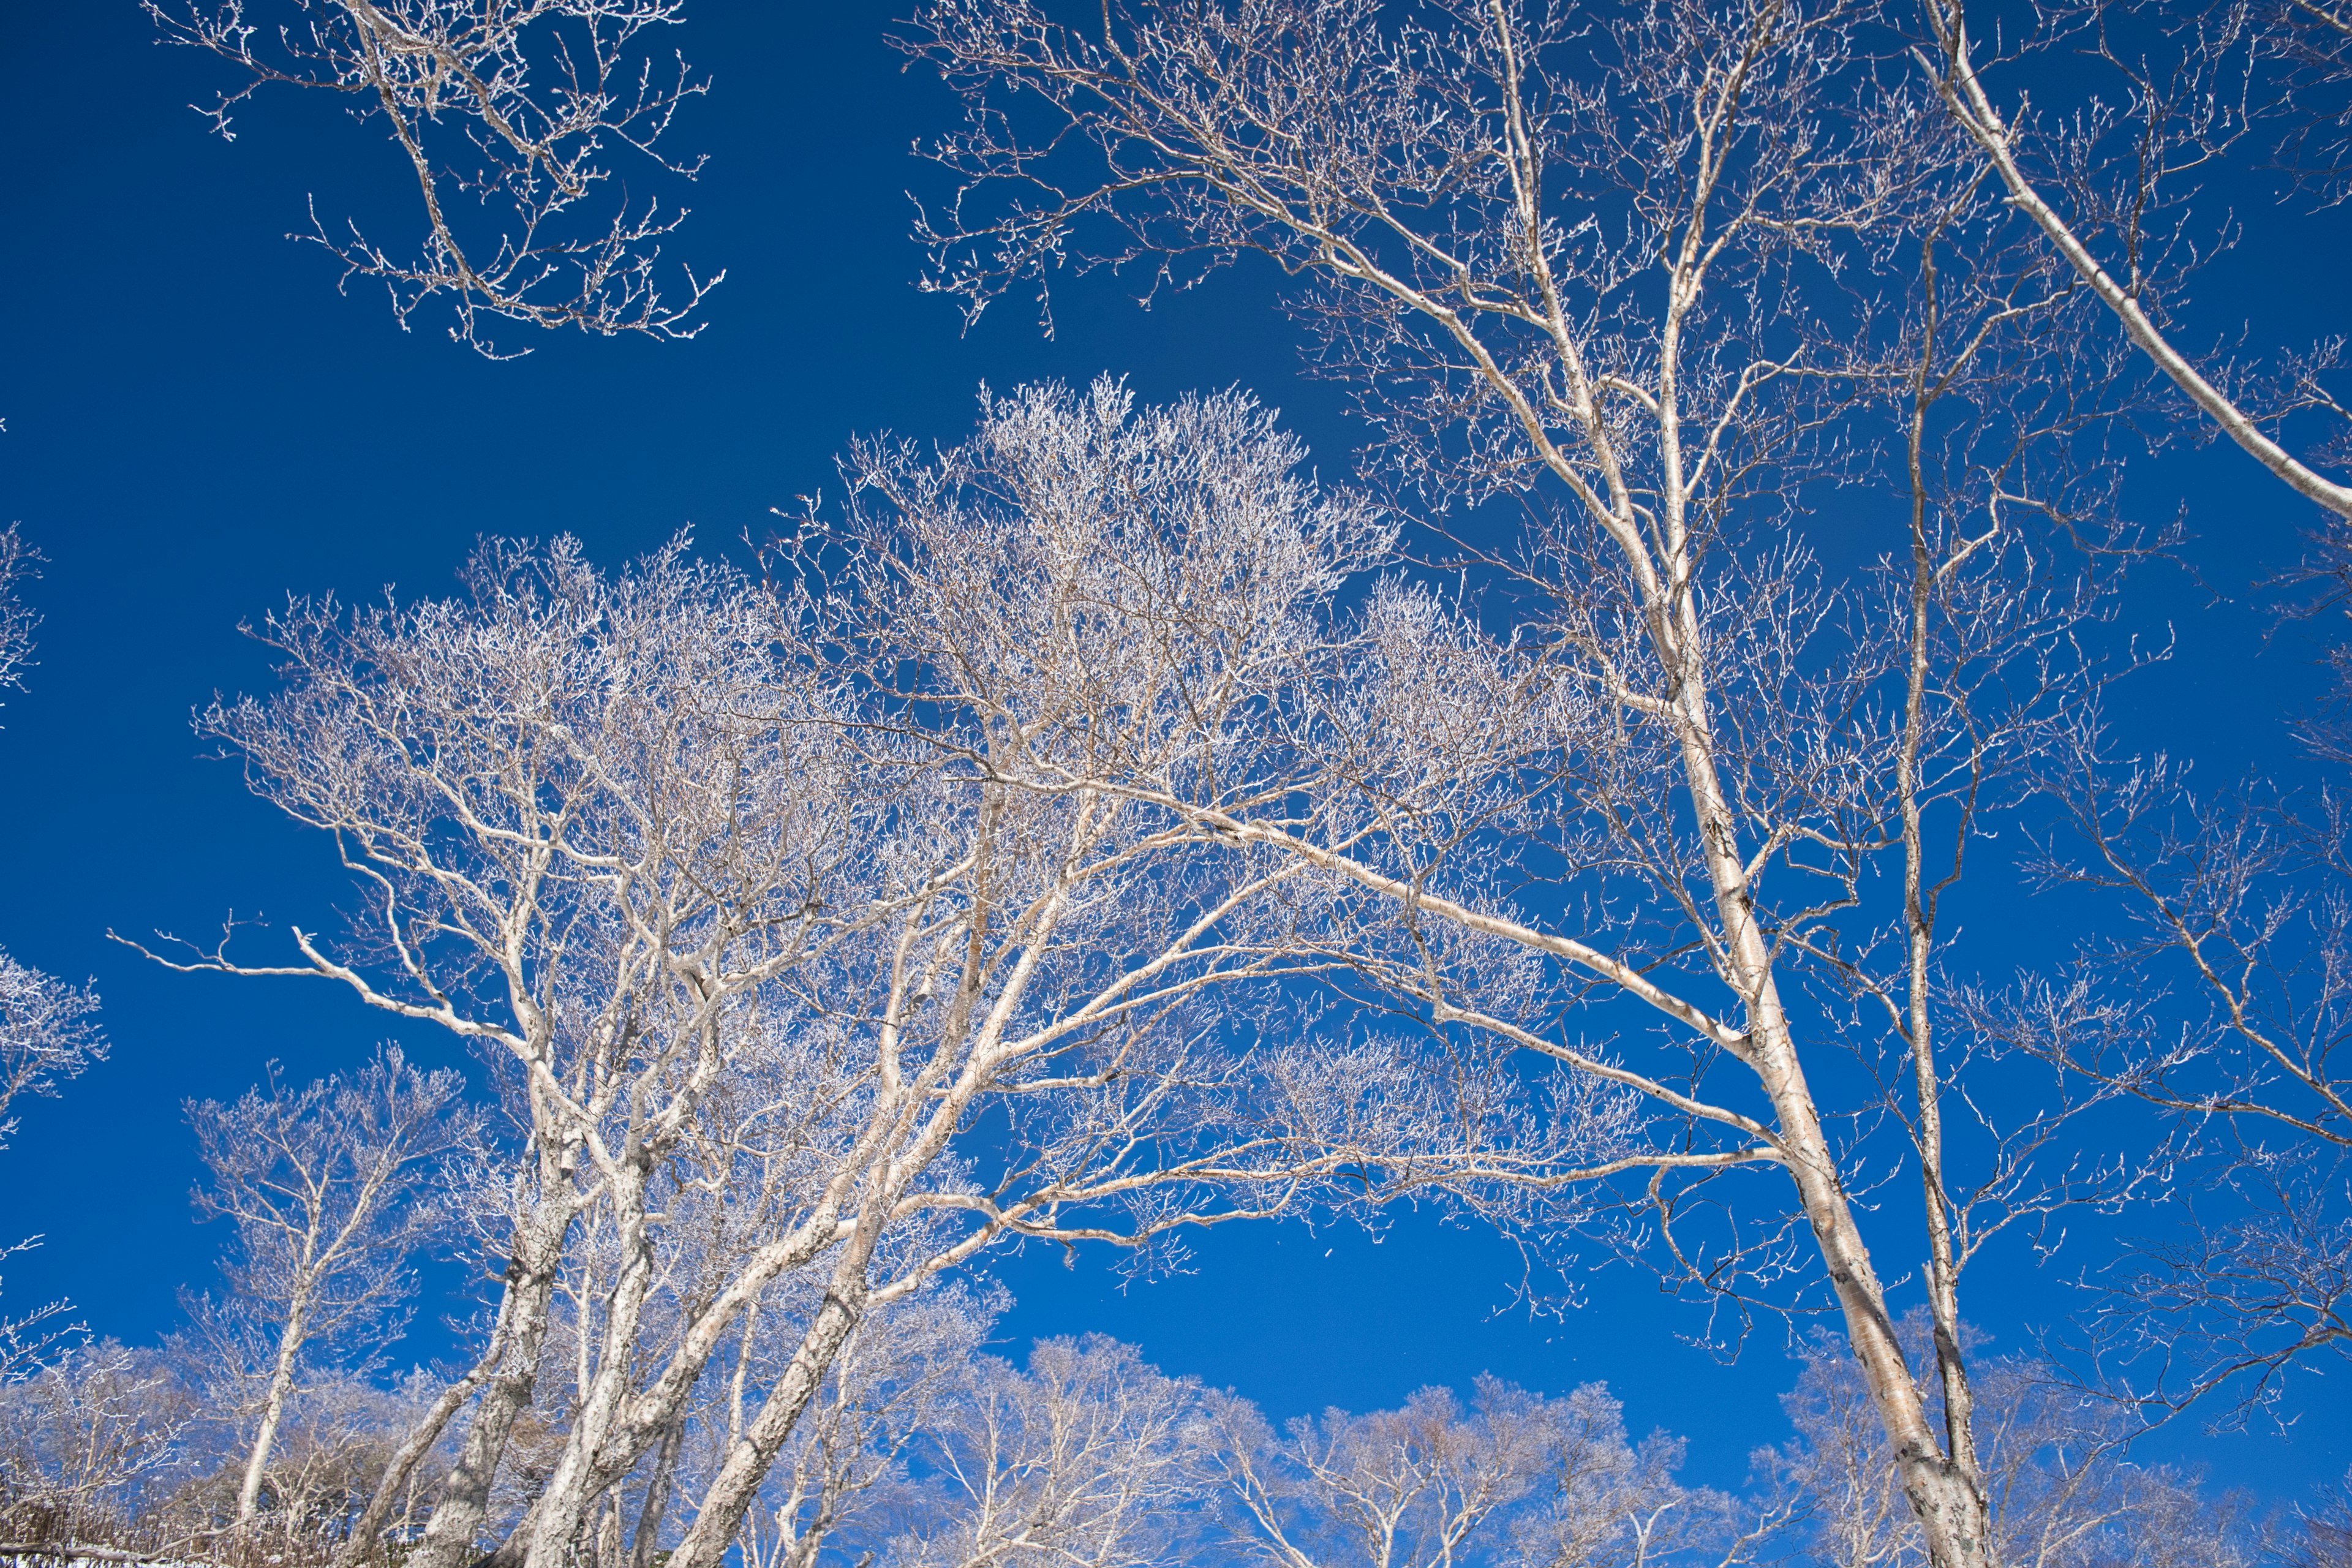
<point>197,423</point>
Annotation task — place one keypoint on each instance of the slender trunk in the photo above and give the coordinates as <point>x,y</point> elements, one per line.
<point>1951,1513</point>
<point>731,1492</point>
<point>360,1546</point>
<point>273,1408</point>
<point>728,1497</point>
<point>613,1439</point>
<point>642,1423</point>
<point>1919,920</point>
<point>657,1503</point>
<point>457,1515</point>
<point>742,1370</point>
<point>731,1495</point>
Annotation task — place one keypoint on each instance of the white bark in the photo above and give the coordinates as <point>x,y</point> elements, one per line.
<point>1952,68</point>
<point>329,1190</point>
<point>1548,253</point>
<point>765,943</point>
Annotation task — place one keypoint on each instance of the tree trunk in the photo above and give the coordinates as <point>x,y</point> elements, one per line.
<point>656,1501</point>
<point>360,1546</point>
<point>561,1514</point>
<point>731,1495</point>
<point>273,1411</point>
<point>1953,1516</point>
<point>458,1514</point>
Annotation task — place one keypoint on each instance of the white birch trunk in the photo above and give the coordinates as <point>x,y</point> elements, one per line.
<point>273,1411</point>
<point>451,1535</point>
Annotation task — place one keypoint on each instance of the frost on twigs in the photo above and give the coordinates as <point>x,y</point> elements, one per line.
<point>1660,274</point>
<point>508,115</point>
<point>45,1034</point>
<point>18,624</point>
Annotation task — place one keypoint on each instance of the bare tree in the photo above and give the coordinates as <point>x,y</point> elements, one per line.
<point>2192,86</point>
<point>2222,1006</point>
<point>550,820</point>
<point>330,1190</point>
<point>2063,1486</point>
<point>86,1441</point>
<point>1514,1478</point>
<point>1608,1499</point>
<point>1583,262</point>
<point>722,879</point>
<point>513,105</point>
<point>1084,1457</point>
<point>340,1427</point>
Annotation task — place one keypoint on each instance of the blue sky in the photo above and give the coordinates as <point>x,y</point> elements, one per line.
<point>198,422</point>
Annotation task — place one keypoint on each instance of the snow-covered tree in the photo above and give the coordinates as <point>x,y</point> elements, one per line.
<point>1644,276</point>
<point>493,105</point>
<point>727,881</point>
<point>1087,1454</point>
<point>90,1441</point>
<point>328,1191</point>
<point>48,1032</point>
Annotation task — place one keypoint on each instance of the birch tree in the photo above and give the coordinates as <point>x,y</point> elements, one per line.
<point>2230,894</point>
<point>1629,272</point>
<point>2180,90</point>
<point>721,878</point>
<point>330,1190</point>
<point>1513,1478</point>
<point>1087,1455</point>
<point>540,786</point>
<point>520,108</point>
